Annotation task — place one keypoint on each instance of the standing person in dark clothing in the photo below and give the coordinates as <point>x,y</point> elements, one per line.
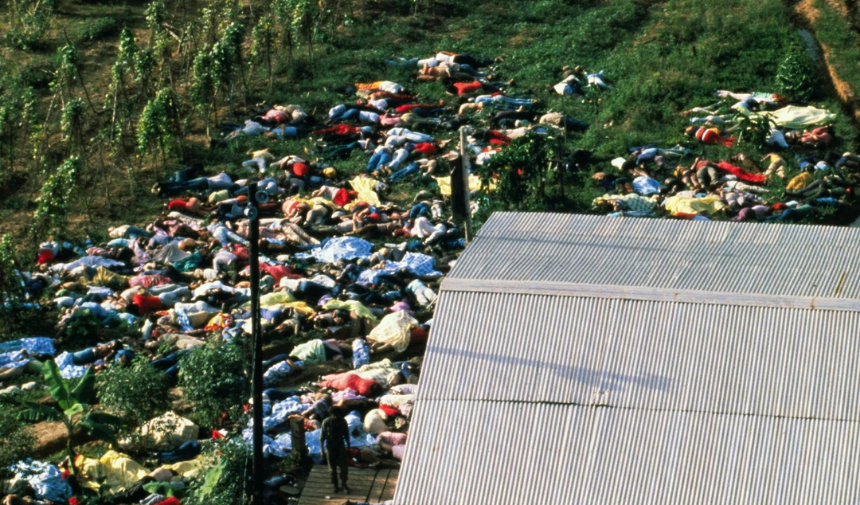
<point>335,433</point>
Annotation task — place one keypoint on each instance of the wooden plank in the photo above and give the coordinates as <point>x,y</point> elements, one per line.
<point>390,486</point>
<point>318,488</point>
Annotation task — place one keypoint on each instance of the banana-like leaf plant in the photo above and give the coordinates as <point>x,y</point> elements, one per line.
<point>73,409</point>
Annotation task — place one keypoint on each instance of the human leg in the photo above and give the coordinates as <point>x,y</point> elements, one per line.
<point>400,174</point>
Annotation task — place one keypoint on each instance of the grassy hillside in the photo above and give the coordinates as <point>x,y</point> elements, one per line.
<point>662,56</point>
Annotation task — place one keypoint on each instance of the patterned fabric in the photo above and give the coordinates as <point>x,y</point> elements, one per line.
<point>16,353</point>
<point>68,369</point>
<point>381,372</point>
<point>419,264</point>
<point>336,249</point>
<point>632,202</point>
<point>45,479</point>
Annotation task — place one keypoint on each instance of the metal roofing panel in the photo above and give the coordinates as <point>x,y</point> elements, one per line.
<point>644,354</point>
<point>467,452</point>
<point>727,257</point>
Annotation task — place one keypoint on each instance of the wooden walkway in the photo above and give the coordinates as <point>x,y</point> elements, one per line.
<point>365,485</point>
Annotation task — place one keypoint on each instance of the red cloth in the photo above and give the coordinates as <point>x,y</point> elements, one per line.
<point>241,252</point>
<point>426,148</point>
<point>779,206</point>
<point>277,116</point>
<point>177,205</point>
<point>146,304</point>
<point>349,380</point>
<point>279,271</point>
<point>300,169</point>
<point>741,173</point>
<point>499,142</point>
<point>467,87</point>
<point>170,501</point>
<point>709,136</point>
<point>410,106</point>
<point>342,197</point>
<point>418,335</point>
<point>389,410</point>
<point>45,255</point>
<point>341,129</point>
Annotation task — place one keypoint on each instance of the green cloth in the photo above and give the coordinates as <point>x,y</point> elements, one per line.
<point>309,352</point>
<point>796,118</point>
<point>189,263</point>
<point>352,306</point>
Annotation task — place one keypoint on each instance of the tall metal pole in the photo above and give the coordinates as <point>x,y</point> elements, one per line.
<point>466,194</point>
<point>254,237</point>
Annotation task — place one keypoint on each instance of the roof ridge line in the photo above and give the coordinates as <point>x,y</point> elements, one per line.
<point>642,409</point>
<point>648,294</point>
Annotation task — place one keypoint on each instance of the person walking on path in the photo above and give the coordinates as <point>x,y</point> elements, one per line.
<point>335,434</point>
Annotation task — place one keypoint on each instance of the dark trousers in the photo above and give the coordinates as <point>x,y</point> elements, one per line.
<point>337,459</point>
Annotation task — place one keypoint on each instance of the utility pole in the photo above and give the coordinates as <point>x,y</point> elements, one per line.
<point>466,196</point>
<point>253,214</point>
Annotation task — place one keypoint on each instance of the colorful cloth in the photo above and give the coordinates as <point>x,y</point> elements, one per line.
<point>68,369</point>
<point>417,263</point>
<point>394,329</point>
<point>689,205</point>
<point>45,479</point>
<point>336,249</point>
<point>796,118</point>
<point>365,187</point>
<point>631,202</point>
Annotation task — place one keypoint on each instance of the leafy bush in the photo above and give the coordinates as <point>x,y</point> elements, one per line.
<point>98,28</point>
<point>228,479</point>
<point>16,442</point>
<point>136,393</point>
<point>798,77</point>
<point>212,377</point>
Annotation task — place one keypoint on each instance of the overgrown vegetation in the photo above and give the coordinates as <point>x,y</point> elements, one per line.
<point>72,409</point>
<point>213,379</point>
<point>16,441</point>
<point>137,392</point>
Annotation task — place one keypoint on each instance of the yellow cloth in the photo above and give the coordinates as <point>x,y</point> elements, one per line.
<point>188,469</point>
<point>474,184</point>
<point>114,470</point>
<point>276,298</point>
<point>352,306</point>
<point>364,186</point>
<point>105,277</point>
<point>368,86</point>
<point>284,299</point>
<point>689,205</point>
<point>263,153</point>
<point>218,196</point>
<point>394,329</point>
<point>795,118</point>
<point>800,182</point>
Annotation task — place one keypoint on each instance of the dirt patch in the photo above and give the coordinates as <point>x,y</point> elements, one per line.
<point>520,40</point>
<point>807,9</point>
<point>50,438</point>
<point>839,6</point>
<point>843,89</point>
<point>809,14</point>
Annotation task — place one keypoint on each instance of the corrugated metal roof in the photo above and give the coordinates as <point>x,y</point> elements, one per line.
<point>725,257</point>
<point>644,354</point>
<point>593,360</point>
<point>468,452</point>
